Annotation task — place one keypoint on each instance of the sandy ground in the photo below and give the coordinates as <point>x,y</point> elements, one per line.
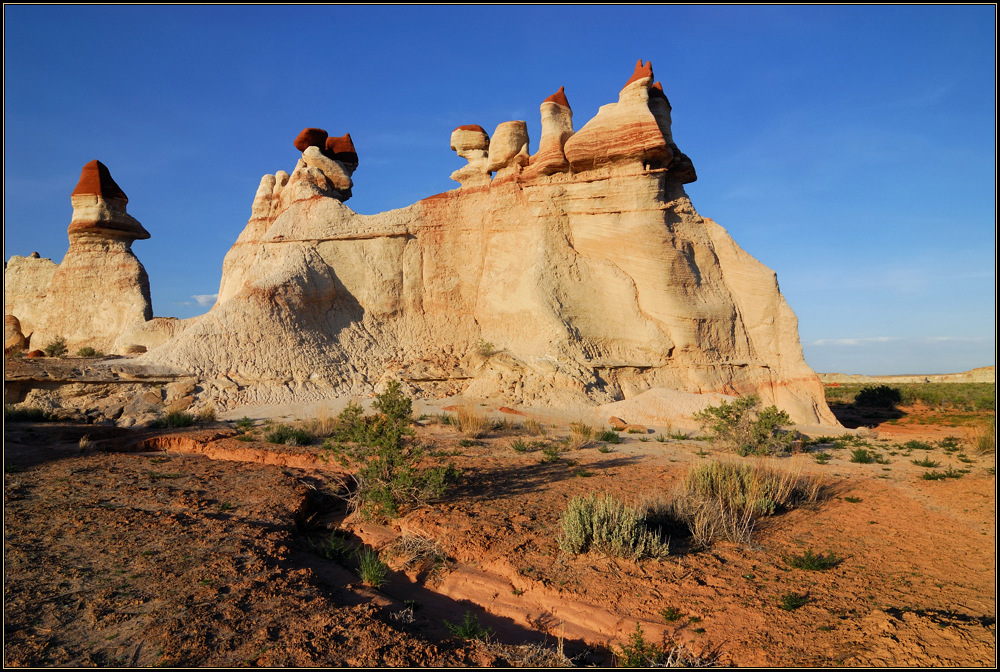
<point>194,548</point>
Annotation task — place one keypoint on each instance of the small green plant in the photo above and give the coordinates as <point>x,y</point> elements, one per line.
<point>862,456</point>
<point>926,462</point>
<point>485,349</point>
<point>670,614</point>
<point>917,445</point>
<point>822,457</point>
<point>87,351</point>
<point>173,419</point>
<point>582,473</point>
<point>371,569</point>
<point>792,601</point>
<point>746,427</point>
<point>551,454</point>
<point>950,472</point>
<point>244,424</point>
<point>816,562</point>
<point>604,448</point>
<point>660,438</point>
<point>57,348</point>
<point>637,652</point>
<point>607,525</point>
<point>288,435</point>
<point>334,548</point>
<point>519,446</point>
<point>853,500</point>
<point>468,443</point>
<point>609,436</point>
<point>468,628</point>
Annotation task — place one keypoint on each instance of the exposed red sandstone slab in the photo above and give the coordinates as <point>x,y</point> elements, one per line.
<point>471,127</point>
<point>95,178</point>
<point>310,137</point>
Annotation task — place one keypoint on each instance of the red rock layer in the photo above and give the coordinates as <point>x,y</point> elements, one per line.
<point>95,178</point>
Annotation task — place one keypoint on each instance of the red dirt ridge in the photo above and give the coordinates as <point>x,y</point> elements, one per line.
<point>641,71</point>
<point>310,137</point>
<point>95,178</point>
<point>559,97</point>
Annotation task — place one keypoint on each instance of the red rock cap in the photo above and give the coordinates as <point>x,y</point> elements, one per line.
<point>640,72</point>
<point>95,178</point>
<point>310,137</point>
<point>559,97</point>
<point>471,127</point>
<point>341,149</point>
<point>656,91</point>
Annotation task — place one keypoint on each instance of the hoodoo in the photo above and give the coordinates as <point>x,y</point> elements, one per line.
<point>585,266</point>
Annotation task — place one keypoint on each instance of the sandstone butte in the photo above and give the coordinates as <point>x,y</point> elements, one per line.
<point>578,276</point>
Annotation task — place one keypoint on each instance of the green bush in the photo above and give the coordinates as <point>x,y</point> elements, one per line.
<point>816,562</point>
<point>607,525</point>
<point>87,351</point>
<point>288,435</point>
<point>31,414</point>
<point>747,428</point>
<point>609,436</point>
<point>173,419</point>
<point>637,652</point>
<point>57,348</point>
<point>878,396</point>
<point>394,404</point>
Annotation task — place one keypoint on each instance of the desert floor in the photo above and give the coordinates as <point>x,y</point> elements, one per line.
<point>189,547</point>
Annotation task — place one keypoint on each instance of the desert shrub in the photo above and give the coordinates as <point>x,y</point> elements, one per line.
<point>470,422</point>
<point>87,351</point>
<point>394,404</point>
<point>519,446</point>
<point>28,414</point>
<point>534,427</point>
<point>371,569</point>
<point>610,526</point>
<point>864,456</point>
<point>57,348</point>
<point>414,552</point>
<point>878,396</point>
<point>816,562</point>
<point>926,462</point>
<point>485,349</point>
<point>792,601</point>
<point>917,445</point>
<point>206,414</point>
<point>174,419</point>
<point>983,437</point>
<point>609,436</point>
<point>288,435</point>
<point>468,628</point>
<point>535,655</point>
<point>725,499</point>
<point>637,652</point>
<point>745,427</point>
<point>244,424</point>
<point>334,548</point>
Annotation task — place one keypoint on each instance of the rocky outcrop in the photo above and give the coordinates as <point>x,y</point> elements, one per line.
<point>595,281</point>
<point>100,289</point>
<point>472,144</point>
<point>13,339</point>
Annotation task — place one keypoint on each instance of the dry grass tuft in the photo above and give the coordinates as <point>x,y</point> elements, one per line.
<point>581,435</point>
<point>534,427</point>
<point>471,422</point>
<point>528,655</point>
<point>417,552</point>
<point>983,437</point>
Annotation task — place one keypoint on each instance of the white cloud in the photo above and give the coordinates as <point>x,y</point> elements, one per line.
<point>855,341</point>
<point>205,299</point>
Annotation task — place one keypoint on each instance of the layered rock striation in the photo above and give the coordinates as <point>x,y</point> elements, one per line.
<point>584,268</point>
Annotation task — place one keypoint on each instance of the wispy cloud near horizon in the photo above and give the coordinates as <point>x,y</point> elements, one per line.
<point>205,299</point>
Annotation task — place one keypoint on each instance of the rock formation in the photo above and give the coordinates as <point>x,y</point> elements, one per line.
<point>585,266</point>
<point>100,289</point>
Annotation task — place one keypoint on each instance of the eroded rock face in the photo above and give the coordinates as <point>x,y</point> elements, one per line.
<point>595,282</point>
<point>100,289</point>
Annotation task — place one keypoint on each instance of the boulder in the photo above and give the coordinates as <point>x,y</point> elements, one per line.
<point>310,137</point>
<point>342,149</point>
<point>13,340</point>
<point>509,147</point>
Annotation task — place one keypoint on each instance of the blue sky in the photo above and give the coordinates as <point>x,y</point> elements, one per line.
<point>851,149</point>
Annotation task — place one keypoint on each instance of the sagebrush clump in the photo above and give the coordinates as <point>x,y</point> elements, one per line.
<point>746,427</point>
<point>604,524</point>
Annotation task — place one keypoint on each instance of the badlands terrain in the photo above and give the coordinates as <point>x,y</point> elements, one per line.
<point>208,546</point>
<point>550,333</point>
